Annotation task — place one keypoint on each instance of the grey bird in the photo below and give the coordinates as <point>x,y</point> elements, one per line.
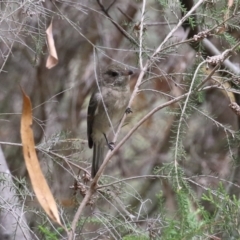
<point>107,106</point>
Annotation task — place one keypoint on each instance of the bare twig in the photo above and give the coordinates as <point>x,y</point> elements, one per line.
<point>124,33</point>
<point>49,152</point>
<point>123,13</point>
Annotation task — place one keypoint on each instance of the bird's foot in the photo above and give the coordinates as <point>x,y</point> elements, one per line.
<point>111,145</point>
<point>128,110</point>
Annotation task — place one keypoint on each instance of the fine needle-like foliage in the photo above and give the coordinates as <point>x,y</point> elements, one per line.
<point>174,171</point>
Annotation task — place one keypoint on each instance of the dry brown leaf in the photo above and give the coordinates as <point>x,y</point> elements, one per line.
<point>220,29</point>
<point>52,59</point>
<point>38,181</point>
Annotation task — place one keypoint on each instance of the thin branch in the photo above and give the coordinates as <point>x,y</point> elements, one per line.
<point>141,35</point>
<point>71,234</point>
<point>124,33</point>
<point>133,178</point>
<point>228,64</point>
<point>124,14</point>
<point>232,132</point>
<point>181,21</point>
<point>50,152</point>
<point>111,4</point>
<point>68,162</point>
<point>181,120</point>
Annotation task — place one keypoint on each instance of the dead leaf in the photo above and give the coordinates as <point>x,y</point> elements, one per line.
<point>221,29</point>
<point>38,181</point>
<point>52,60</point>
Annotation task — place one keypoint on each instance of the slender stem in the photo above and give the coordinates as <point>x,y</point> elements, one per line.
<point>141,35</point>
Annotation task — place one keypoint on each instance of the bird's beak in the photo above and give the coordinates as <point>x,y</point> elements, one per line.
<point>128,72</point>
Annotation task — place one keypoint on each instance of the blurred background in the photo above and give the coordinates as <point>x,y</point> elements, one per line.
<point>88,36</point>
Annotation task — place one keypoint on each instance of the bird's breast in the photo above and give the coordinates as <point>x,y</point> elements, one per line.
<point>118,102</point>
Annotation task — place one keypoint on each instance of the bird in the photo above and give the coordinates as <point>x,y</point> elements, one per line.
<point>107,105</point>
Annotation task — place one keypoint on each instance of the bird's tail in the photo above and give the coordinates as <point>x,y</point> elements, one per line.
<point>98,155</point>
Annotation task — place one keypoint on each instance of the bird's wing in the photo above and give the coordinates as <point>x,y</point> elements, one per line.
<point>92,107</point>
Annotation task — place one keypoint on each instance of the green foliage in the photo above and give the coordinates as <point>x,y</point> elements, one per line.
<point>192,219</point>
<point>227,210</point>
<point>49,234</point>
<point>192,22</point>
<point>163,3</point>
<point>137,207</point>
<point>134,237</point>
<point>230,39</point>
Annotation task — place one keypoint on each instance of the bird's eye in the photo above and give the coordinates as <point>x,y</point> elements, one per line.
<point>113,73</point>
